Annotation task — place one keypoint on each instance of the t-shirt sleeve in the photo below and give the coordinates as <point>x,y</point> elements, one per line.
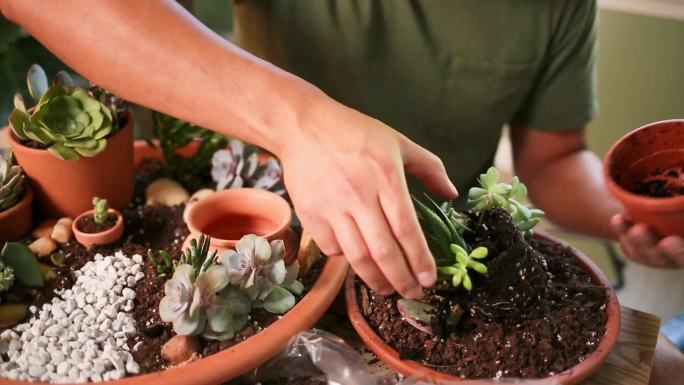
<point>563,96</point>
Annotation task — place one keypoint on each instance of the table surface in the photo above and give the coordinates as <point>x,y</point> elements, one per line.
<point>628,364</point>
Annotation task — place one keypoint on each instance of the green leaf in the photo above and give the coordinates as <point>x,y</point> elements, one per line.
<point>467,283</point>
<point>477,266</point>
<point>37,82</point>
<point>456,279</point>
<point>24,262</point>
<point>479,253</point>
<point>62,78</point>
<point>279,300</point>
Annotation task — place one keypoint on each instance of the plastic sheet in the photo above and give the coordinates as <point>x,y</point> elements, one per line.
<point>318,354</point>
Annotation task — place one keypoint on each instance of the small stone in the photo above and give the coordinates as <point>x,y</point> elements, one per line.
<point>44,229</point>
<point>165,191</point>
<point>61,232</point>
<point>43,247</point>
<point>180,349</point>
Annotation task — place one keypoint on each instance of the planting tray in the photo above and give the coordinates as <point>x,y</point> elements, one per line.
<point>629,363</point>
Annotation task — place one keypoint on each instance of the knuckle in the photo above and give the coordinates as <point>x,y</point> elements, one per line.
<point>406,228</point>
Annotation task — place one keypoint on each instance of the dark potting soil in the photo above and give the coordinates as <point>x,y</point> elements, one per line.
<point>662,184</point>
<point>88,225</point>
<point>534,314</point>
<point>279,381</point>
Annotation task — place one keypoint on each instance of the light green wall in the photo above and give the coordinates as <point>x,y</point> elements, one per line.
<point>640,74</point>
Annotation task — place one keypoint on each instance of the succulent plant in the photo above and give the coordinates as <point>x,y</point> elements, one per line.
<point>258,269</point>
<point>440,231</point>
<point>6,276</point>
<point>458,271</point>
<point>101,210</point>
<point>23,263</point>
<point>204,304</point>
<point>11,182</point>
<point>239,167</point>
<point>197,255</point>
<point>509,197</point>
<point>67,120</point>
<point>163,265</point>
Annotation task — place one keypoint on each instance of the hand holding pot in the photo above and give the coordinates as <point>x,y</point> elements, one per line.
<point>641,244</point>
<point>345,174</point>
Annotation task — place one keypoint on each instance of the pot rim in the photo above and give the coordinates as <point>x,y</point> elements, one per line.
<point>629,198</point>
<point>14,142</point>
<point>27,199</point>
<point>572,375</point>
<point>109,231</point>
<point>282,222</point>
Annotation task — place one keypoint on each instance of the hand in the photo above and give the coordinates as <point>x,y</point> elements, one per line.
<point>345,174</point>
<point>642,245</point>
<point>668,364</point>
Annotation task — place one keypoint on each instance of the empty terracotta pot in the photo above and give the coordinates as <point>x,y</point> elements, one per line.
<point>65,188</point>
<point>16,221</point>
<point>571,376</point>
<point>228,215</point>
<point>106,237</point>
<point>639,155</point>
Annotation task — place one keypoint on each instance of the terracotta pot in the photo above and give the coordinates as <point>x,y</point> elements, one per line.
<point>655,146</point>
<point>106,237</point>
<point>228,215</point>
<point>16,221</point>
<point>573,375</point>
<point>66,188</point>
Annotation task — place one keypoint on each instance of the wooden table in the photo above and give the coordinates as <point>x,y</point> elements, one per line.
<point>628,364</point>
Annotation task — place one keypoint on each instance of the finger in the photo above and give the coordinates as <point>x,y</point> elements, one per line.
<point>401,215</point>
<point>645,244</point>
<point>385,250</point>
<point>620,224</point>
<point>673,247</point>
<point>630,252</point>
<point>356,252</point>
<point>428,168</point>
<point>322,234</point>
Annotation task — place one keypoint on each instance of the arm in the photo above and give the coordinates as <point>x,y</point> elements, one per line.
<point>565,180</point>
<point>343,170</point>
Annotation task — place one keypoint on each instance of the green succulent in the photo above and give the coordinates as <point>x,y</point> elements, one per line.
<point>492,194</point>
<point>458,271</point>
<point>66,119</point>
<point>204,304</point>
<point>258,269</point>
<point>198,256</point>
<point>11,182</point>
<point>6,276</point>
<point>440,231</point>
<point>101,210</point>
<point>163,265</point>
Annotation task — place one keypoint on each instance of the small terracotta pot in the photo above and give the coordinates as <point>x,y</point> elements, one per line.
<point>571,376</point>
<point>228,215</point>
<point>66,188</point>
<point>655,146</point>
<point>16,221</point>
<point>106,237</point>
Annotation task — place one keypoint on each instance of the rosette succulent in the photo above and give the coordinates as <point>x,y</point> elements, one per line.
<point>66,119</point>
<point>204,304</point>
<point>11,182</point>
<point>258,269</point>
<point>239,167</point>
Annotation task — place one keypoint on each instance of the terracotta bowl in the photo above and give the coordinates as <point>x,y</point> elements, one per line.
<point>106,237</point>
<point>16,221</point>
<point>571,376</point>
<point>228,215</point>
<point>66,188</point>
<point>655,146</point>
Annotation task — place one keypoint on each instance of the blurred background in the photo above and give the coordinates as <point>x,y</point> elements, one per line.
<point>640,80</point>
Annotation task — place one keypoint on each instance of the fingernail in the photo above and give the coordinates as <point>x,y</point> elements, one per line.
<point>426,278</point>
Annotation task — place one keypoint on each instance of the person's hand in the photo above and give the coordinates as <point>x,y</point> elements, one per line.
<point>668,364</point>
<point>345,174</point>
<point>643,245</point>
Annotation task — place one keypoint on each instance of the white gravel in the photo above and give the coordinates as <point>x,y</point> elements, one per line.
<point>81,335</point>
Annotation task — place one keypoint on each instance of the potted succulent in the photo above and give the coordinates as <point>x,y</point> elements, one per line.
<point>645,171</point>
<point>508,302</point>
<point>99,226</point>
<point>15,200</point>
<point>67,141</point>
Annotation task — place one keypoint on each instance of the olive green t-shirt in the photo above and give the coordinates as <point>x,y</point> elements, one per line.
<point>447,73</point>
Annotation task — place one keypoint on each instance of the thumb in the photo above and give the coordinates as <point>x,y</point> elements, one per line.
<point>428,168</point>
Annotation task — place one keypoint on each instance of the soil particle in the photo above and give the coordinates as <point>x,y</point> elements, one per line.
<point>662,184</point>
<point>536,313</point>
<point>88,225</point>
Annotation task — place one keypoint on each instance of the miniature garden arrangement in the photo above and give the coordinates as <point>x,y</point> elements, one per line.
<point>115,284</point>
<point>508,303</point>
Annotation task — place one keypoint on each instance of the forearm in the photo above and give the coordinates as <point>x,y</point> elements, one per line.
<point>156,54</point>
<point>571,191</point>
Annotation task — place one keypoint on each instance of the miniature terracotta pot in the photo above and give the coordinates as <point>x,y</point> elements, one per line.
<point>228,215</point>
<point>106,237</point>
<point>571,376</point>
<point>66,187</point>
<point>650,149</point>
<point>16,221</point>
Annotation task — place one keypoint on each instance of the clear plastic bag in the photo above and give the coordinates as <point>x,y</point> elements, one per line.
<point>317,354</point>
